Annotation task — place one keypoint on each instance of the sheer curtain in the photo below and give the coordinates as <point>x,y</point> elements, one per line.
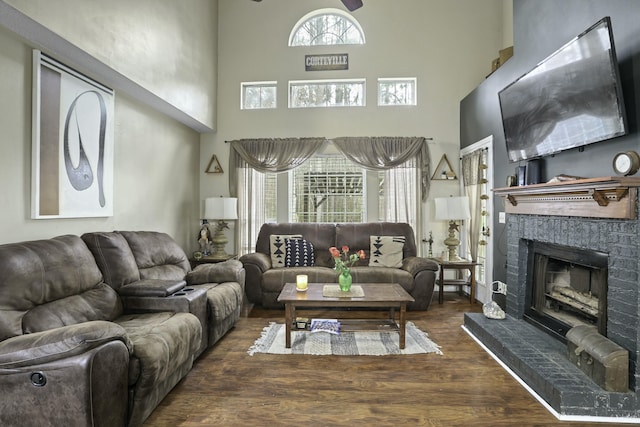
<point>405,162</point>
<point>249,160</point>
<point>472,181</point>
<point>384,153</point>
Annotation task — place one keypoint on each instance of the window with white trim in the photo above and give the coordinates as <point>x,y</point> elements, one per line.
<point>327,93</point>
<point>327,189</point>
<point>326,27</point>
<point>258,95</point>
<point>397,91</point>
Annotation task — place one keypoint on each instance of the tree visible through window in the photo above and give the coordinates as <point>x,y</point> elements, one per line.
<point>325,93</point>
<point>326,27</point>
<point>258,95</point>
<point>397,91</point>
<point>327,189</point>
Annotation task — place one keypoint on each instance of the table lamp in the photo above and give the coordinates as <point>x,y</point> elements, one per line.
<point>221,209</point>
<point>452,209</point>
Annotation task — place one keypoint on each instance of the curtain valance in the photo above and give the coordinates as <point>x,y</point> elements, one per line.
<point>381,153</point>
<point>374,153</point>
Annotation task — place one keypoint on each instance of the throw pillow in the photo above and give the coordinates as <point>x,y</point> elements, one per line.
<point>299,253</point>
<point>277,248</point>
<point>386,251</point>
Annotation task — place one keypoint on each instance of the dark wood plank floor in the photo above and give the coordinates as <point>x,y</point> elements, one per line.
<point>463,387</point>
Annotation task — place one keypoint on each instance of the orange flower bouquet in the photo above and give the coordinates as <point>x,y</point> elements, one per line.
<point>343,263</point>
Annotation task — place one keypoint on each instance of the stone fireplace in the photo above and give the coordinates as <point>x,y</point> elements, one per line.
<point>573,257</point>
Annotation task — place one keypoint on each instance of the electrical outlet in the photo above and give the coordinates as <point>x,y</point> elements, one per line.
<point>499,287</point>
<point>502,217</point>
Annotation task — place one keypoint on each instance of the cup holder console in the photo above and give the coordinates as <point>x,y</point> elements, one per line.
<point>181,292</point>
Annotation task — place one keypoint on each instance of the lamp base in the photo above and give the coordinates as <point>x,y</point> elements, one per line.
<point>452,242</point>
<point>219,241</point>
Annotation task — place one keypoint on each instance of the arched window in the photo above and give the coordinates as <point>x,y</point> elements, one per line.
<point>326,27</point>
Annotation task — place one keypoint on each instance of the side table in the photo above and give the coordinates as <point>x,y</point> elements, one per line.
<point>208,259</point>
<point>457,265</point>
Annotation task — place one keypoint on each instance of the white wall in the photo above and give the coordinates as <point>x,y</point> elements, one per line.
<point>166,46</point>
<point>156,176</point>
<point>447,44</point>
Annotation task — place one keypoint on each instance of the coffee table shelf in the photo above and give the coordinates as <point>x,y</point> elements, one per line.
<point>361,325</point>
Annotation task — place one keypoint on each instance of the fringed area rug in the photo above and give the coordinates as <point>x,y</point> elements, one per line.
<point>344,344</point>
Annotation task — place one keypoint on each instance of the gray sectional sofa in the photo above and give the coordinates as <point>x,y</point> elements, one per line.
<point>267,275</point>
<point>95,331</point>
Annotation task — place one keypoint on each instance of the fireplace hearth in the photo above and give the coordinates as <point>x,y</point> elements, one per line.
<point>580,242</point>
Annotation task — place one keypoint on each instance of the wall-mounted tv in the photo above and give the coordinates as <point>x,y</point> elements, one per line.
<point>570,99</point>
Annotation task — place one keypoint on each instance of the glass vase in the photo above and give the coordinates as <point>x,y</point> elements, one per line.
<point>345,280</point>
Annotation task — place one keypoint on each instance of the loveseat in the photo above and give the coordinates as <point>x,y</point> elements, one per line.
<point>76,352</point>
<point>145,265</point>
<point>274,263</point>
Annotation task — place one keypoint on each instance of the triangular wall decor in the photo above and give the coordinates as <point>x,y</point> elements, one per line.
<point>214,165</point>
<point>444,170</point>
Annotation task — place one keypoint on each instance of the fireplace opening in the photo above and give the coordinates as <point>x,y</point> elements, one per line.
<point>566,287</point>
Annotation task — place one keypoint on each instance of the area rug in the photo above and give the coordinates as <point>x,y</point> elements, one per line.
<point>358,343</point>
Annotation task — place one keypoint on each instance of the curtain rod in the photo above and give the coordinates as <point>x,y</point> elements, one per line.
<point>228,142</point>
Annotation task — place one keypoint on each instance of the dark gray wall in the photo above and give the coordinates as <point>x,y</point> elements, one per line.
<point>540,28</point>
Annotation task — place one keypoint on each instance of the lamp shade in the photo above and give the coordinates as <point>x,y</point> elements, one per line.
<point>452,208</point>
<point>221,208</point>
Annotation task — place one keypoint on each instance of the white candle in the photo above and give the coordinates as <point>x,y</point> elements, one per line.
<point>301,282</point>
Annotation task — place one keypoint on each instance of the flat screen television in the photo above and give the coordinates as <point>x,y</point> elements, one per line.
<point>570,99</point>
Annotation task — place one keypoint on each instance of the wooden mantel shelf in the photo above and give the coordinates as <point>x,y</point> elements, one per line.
<point>606,197</point>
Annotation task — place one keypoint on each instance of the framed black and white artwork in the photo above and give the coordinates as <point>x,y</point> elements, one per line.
<point>72,143</point>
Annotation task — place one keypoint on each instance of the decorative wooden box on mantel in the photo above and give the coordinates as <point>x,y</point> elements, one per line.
<point>605,197</point>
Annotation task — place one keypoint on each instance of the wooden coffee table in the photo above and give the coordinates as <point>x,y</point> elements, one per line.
<point>384,295</point>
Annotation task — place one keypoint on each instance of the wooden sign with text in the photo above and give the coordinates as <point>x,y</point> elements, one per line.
<point>331,61</point>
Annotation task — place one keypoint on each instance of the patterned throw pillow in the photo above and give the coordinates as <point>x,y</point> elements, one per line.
<point>277,248</point>
<point>299,253</point>
<point>386,251</point>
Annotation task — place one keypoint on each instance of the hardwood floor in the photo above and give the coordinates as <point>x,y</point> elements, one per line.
<point>463,387</point>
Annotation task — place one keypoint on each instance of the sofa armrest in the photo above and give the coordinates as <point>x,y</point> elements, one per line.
<point>151,288</point>
<point>88,389</point>
<point>258,260</point>
<point>59,343</point>
<point>415,265</point>
<point>255,264</point>
<point>227,271</point>
<point>424,273</point>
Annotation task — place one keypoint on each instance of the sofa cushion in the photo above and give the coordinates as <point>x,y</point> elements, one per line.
<point>114,257</point>
<point>299,253</point>
<point>224,299</point>
<point>43,271</point>
<point>157,255</point>
<point>383,275</point>
<point>277,248</point>
<point>274,279</point>
<point>357,236</point>
<point>99,303</point>
<point>321,235</point>
<point>386,251</point>
<point>227,271</point>
<point>161,342</point>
